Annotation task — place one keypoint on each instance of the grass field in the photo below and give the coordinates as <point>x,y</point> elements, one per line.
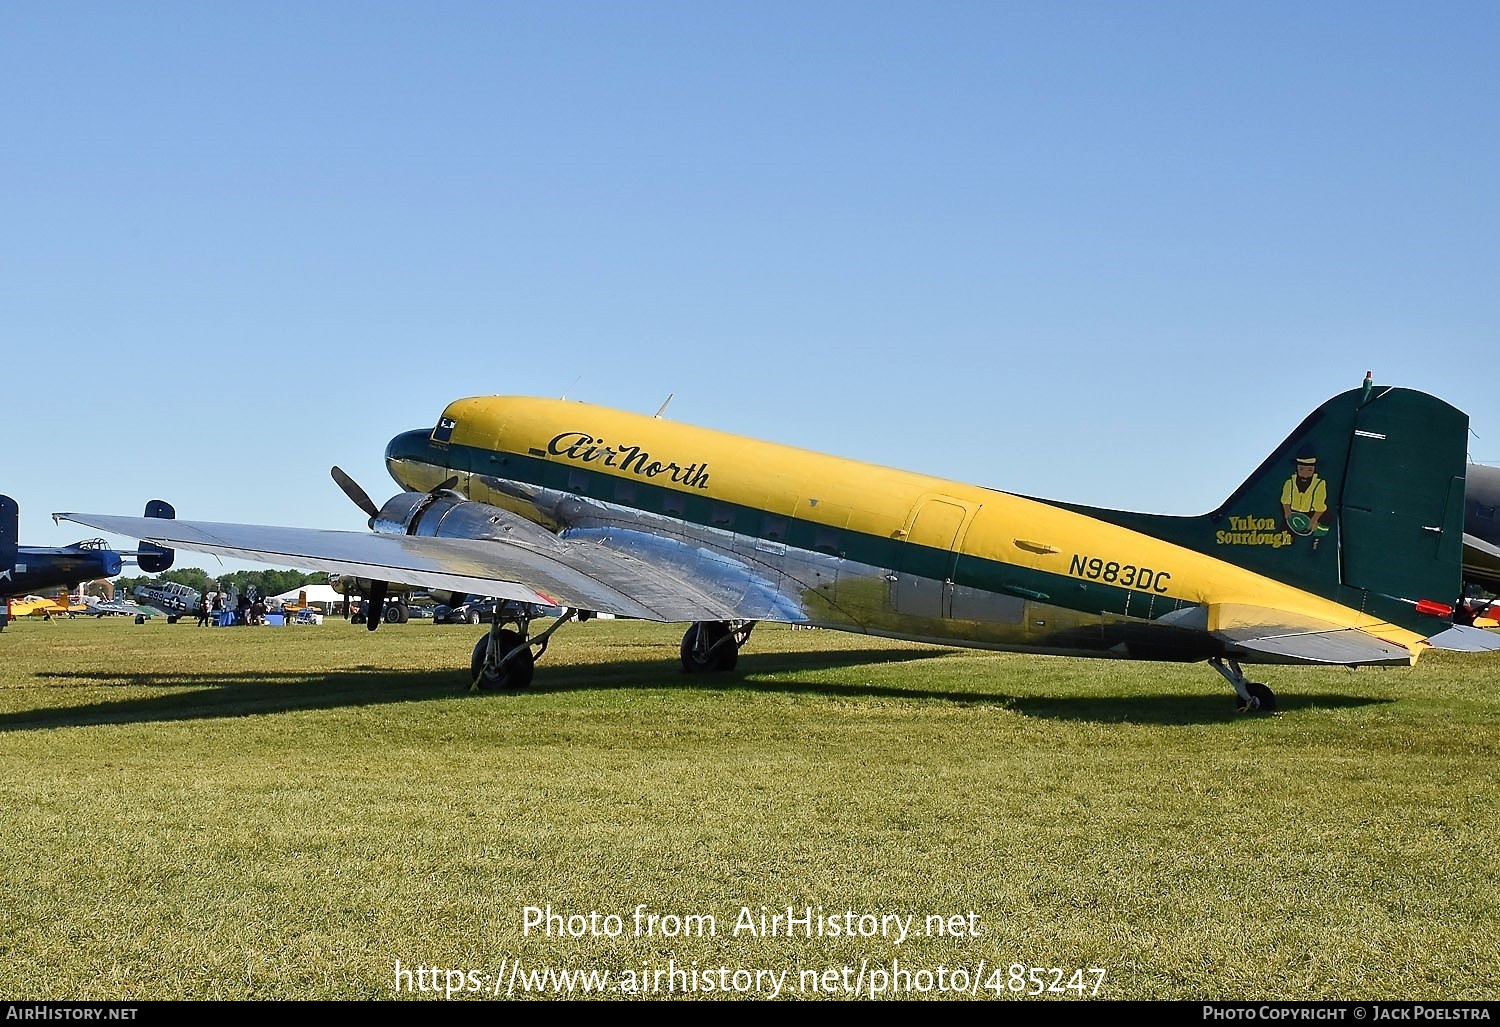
<point>300,813</point>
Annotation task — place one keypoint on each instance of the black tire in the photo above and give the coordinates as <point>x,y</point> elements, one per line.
<point>473,617</point>
<point>392,614</point>
<point>358,618</point>
<point>518,673</point>
<point>1263,700</point>
<point>716,662</point>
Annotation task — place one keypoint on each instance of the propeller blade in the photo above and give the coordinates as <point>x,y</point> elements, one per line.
<point>353,491</point>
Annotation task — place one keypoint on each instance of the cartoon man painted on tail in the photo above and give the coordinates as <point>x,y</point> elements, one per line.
<point>1304,498</point>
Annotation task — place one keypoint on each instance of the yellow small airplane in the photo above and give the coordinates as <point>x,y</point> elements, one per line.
<point>1342,548</point>
<point>47,607</point>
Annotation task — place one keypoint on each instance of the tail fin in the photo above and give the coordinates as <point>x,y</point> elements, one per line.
<point>10,528</point>
<point>1363,503</point>
<point>151,558</point>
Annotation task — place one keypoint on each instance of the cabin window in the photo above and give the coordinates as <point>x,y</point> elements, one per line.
<point>1487,512</point>
<point>578,482</point>
<point>627,493</point>
<point>773,528</point>
<point>673,504</point>
<point>723,515</point>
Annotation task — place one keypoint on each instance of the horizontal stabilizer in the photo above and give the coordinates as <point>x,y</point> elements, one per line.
<point>1463,639</point>
<point>1283,637</point>
<point>1345,647</point>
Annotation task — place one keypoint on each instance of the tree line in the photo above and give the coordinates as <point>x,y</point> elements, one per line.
<point>264,583</point>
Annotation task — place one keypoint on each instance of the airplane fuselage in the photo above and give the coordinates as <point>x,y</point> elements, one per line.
<point>38,569</point>
<point>822,540</point>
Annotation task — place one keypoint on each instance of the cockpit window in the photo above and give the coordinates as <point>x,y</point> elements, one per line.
<point>444,430</point>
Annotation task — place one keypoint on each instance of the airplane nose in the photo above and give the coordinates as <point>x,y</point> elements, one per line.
<point>407,450</point>
<point>409,445</point>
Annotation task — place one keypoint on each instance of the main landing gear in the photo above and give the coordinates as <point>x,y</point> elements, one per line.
<point>712,646</point>
<point>1254,697</point>
<point>503,660</point>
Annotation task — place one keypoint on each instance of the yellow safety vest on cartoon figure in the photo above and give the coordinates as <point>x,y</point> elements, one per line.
<point>1304,498</point>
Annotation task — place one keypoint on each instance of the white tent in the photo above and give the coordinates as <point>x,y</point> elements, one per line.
<point>320,594</point>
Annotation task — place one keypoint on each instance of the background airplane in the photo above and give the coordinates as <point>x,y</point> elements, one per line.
<point>353,589</point>
<point>109,605</point>
<point>60,605</point>
<point>32,570</point>
<point>1342,548</point>
<point>1481,567</point>
<point>1482,527</point>
<point>170,599</point>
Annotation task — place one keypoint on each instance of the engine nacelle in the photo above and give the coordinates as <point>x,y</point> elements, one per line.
<point>450,515</point>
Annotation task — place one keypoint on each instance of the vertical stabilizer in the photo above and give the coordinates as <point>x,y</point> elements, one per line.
<point>151,558</point>
<point>10,527</point>
<point>1363,503</point>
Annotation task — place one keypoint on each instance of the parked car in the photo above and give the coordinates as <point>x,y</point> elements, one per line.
<point>473,610</point>
<point>481,610</point>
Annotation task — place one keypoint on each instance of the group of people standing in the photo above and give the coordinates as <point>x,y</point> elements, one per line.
<point>213,605</point>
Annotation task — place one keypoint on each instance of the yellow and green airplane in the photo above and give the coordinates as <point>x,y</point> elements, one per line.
<point>1342,548</point>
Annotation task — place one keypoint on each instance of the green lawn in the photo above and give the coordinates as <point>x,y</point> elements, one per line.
<point>299,813</point>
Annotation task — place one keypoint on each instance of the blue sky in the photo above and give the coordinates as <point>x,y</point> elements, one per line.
<point>1104,252</point>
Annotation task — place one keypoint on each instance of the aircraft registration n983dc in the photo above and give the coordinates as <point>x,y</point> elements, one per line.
<point>1343,547</point>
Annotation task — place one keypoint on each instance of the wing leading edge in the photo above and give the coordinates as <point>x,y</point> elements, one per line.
<point>535,567</point>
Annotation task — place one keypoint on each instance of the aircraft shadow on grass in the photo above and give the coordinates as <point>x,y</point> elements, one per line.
<point>256,693</point>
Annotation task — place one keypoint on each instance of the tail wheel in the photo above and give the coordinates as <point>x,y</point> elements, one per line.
<point>702,652</point>
<point>515,675</point>
<point>1262,699</point>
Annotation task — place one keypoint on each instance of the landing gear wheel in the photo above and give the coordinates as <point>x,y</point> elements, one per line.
<point>701,651</point>
<point>1262,699</point>
<point>516,674</point>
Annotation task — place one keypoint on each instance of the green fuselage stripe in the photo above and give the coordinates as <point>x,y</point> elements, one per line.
<point>800,533</point>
